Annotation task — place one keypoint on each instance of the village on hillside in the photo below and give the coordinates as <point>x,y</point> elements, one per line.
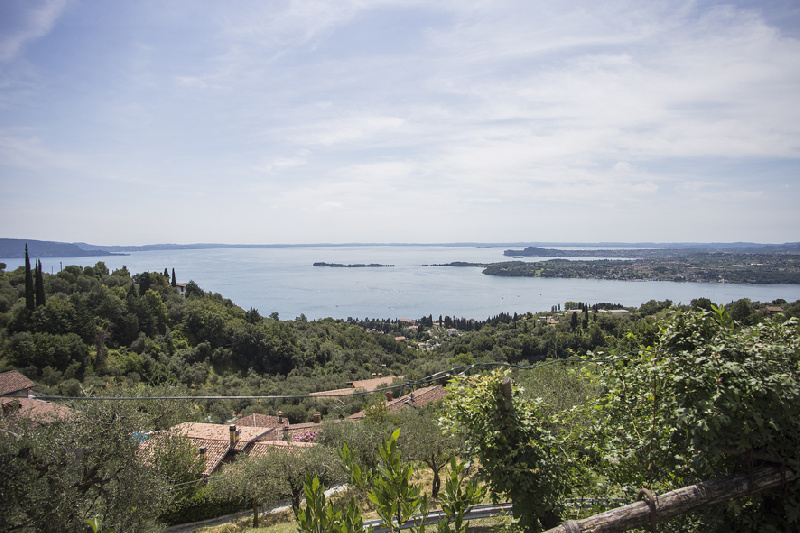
<point>220,444</point>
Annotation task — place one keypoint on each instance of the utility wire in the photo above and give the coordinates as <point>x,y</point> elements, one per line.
<point>455,371</point>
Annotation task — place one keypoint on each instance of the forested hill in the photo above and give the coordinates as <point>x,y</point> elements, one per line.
<point>16,248</point>
<point>653,250</point>
<point>87,327</point>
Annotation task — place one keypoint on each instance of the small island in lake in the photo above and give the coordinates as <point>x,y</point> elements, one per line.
<point>339,265</point>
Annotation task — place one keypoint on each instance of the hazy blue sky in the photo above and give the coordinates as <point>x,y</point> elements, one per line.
<point>134,122</point>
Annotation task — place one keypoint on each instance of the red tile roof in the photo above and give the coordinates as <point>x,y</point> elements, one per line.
<point>215,438</point>
<point>278,434</point>
<point>199,430</point>
<point>418,398</point>
<point>261,448</point>
<point>12,382</point>
<point>216,451</point>
<point>36,410</point>
<point>261,421</point>
<point>365,384</point>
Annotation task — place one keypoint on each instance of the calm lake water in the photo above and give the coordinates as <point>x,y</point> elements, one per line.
<point>284,280</point>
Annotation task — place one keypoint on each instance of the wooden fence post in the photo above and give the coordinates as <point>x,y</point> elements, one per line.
<point>680,501</point>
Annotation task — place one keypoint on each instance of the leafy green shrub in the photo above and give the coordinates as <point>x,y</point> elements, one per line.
<point>201,505</point>
<point>522,456</point>
<point>709,399</point>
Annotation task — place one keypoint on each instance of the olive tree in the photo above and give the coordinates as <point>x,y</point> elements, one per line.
<point>57,475</point>
<point>277,475</point>
<point>423,440</point>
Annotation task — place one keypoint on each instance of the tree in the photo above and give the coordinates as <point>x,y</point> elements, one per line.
<point>703,304</point>
<point>30,298</point>
<point>423,440</point>
<point>193,290</point>
<point>174,279</point>
<point>742,311</point>
<point>279,473</point>
<point>58,475</point>
<point>40,295</point>
<point>144,281</point>
<point>397,499</point>
<point>362,438</point>
<point>521,453</point>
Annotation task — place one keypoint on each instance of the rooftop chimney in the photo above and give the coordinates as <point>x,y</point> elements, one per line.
<point>280,417</point>
<point>388,396</point>
<point>373,375</point>
<point>316,418</point>
<point>234,435</point>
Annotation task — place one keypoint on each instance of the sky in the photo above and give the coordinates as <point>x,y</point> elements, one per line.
<point>312,121</point>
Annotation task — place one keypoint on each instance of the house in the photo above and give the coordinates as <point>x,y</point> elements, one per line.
<point>376,382</point>
<point>280,428</point>
<point>13,383</point>
<point>222,443</point>
<point>16,397</point>
<point>262,421</point>
<point>33,409</point>
<point>417,399</point>
<point>216,441</point>
<point>181,287</point>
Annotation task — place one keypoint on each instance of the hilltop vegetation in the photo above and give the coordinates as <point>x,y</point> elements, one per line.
<point>98,328</point>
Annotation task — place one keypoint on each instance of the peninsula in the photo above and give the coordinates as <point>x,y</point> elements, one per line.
<point>756,264</point>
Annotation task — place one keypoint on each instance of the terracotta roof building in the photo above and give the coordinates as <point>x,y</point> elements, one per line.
<point>261,448</point>
<point>218,441</point>
<point>36,410</point>
<point>262,421</point>
<point>13,383</point>
<point>417,399</point>
<point>221,443</point>
<point>364,384</point>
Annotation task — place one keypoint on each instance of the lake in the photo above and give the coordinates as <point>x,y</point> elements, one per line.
<point>284,280</point>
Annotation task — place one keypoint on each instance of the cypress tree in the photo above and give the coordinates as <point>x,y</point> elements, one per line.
<point>30,299</point>
<point>40,297</point>
<point>174,280</point>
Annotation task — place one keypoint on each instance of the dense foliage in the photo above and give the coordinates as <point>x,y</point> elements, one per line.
<point>58,474</point>
<point>708,398</point>
<point>711,397</point>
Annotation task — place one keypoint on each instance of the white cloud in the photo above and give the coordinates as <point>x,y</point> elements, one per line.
<point>325,114</point>
<point>35,20</point>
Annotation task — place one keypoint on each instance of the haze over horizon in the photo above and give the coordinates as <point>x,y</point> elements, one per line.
<point>299,122</point>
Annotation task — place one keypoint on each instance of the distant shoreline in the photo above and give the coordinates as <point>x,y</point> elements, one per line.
<point>15,248</point>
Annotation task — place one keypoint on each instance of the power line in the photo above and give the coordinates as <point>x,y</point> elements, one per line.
<point>455,371</point>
